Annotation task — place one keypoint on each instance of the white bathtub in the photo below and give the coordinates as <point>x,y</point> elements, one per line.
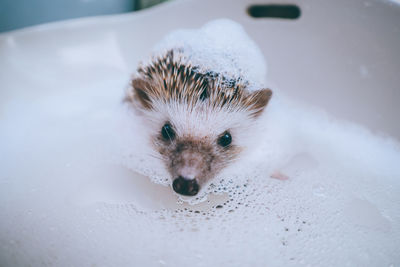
<point>339,56</point>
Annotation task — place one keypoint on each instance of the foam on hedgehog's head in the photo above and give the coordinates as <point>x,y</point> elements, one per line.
<point>199,121</point>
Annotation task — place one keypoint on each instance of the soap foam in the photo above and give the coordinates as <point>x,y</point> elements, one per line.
<point>71,193</point>
<point>220,46</point>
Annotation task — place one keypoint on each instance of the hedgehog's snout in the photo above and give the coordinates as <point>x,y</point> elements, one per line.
<point>185,186</point>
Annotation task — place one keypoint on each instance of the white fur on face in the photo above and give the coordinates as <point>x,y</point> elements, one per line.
<point>202,121</point>
<point>197,129</point>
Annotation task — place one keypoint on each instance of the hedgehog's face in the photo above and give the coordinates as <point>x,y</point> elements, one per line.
<point>192,160</point>
<point>196,143</point>
<point>199,125</point>
<point>197,139</point>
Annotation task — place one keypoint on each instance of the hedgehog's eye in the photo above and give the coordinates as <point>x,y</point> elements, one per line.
<point>225,139</point>
<point>168,132</point>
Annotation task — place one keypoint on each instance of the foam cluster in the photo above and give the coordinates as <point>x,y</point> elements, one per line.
<point>220,46</point>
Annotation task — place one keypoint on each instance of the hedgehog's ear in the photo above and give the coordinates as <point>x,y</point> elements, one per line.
<point>258,100</point>
<point>138,93</point>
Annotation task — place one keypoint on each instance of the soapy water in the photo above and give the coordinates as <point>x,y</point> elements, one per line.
<point>76,190</point>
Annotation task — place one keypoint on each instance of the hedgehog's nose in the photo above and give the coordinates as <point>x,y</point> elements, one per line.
<point>186,187</point>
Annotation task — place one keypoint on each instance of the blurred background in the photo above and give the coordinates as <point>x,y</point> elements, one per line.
<point>15,14</point>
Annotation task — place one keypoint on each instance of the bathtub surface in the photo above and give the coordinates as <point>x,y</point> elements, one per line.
<point>341,57</point>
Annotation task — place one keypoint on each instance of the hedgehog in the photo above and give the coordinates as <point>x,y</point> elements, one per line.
<point>198,113</point>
